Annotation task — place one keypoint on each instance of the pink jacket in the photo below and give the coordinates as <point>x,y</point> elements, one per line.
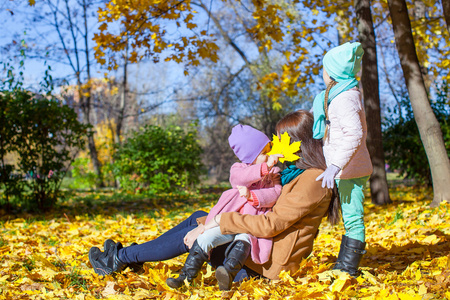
<point>345,144</point>
<point>266,188</point>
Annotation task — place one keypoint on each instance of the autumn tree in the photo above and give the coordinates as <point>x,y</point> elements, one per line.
<point>378,182</point>
<point>249,85</point>
<point>169,30</point>
<point>429,128</point>
<point>446,9</point>
<point>62,35</point>
<point>110,104</point>
<point>231,90</point>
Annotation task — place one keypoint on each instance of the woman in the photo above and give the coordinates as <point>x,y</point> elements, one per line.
<point>293,223</point>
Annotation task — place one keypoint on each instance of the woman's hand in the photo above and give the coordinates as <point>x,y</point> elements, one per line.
<point>192,235</point>
<point>213,223</point>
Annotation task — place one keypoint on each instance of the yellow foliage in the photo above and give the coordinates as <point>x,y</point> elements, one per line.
<point>104,142</point>
<point>47,256</point>
<point>407,257</point>
<point>141,22</point>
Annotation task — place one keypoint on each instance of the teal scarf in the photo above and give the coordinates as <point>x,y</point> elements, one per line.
<point>319,101</point>
<point>290,173</point>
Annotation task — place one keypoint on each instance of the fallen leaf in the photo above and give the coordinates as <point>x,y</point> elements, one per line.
<point>109,289</point>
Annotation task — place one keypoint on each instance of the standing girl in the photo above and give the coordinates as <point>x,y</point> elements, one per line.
<point>255,188</point>
<point>340,121</point>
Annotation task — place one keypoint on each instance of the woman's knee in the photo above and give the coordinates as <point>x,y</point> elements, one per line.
<point>198,214</point>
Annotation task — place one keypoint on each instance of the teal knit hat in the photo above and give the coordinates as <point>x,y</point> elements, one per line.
<point>343,62</point>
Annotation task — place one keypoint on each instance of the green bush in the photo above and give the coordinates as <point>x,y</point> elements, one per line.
<point>401,140</point>
<point>159,159</point>
<point>43,135</point>
<point>82,176</point>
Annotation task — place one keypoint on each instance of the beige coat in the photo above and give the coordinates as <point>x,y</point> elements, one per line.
<point>293,223</point>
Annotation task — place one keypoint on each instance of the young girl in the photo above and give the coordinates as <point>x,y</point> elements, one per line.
<point>340,121</point>
<point>255,188</point>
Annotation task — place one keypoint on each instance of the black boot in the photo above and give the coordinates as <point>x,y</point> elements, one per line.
<point>107,262</point>
<point>352,253</point>
<point>194,262</point>
<point>235,257</point>
<point>338,263</point>
<point>136,267</point>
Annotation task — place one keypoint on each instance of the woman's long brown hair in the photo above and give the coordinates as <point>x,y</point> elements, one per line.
<point>299,126</point>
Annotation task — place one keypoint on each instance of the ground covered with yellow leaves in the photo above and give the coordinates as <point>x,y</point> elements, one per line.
<point>46,256</point>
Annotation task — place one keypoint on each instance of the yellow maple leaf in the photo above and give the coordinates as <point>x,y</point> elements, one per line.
<point>209,271</point>
<point>404,296</point>
<point>283,146</point>
<point>447,294</point>
<point>431,239</point>
<point>341,283</point>
<point>422,289</point>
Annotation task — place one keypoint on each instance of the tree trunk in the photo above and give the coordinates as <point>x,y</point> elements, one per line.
<point>429,129</point>
<point>123,99</point>
<point>446,10</point>
<point>95,162</point>
<point>91,144</point>
<point>378,182</point>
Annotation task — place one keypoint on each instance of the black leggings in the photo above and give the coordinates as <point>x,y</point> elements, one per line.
<point>166,246</point>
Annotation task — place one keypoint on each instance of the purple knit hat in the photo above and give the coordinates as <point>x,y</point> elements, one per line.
<point>247,142</point>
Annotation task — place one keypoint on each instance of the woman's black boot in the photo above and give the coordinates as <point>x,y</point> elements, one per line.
<point>338,264</point>
<point>351,256</point>
<point>107,262</point>
<point>194,262</point>
<point>136,267</point>
<point>235,257</point>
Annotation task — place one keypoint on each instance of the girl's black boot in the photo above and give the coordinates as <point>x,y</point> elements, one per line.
<point>338,263</point>
<point>235,257</point>
<point>351,256</point>
<point>194,262</point>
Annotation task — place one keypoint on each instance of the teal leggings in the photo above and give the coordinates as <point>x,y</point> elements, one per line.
<point>351,192</point>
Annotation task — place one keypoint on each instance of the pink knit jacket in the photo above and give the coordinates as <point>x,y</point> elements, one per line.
<point>265,186</point>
